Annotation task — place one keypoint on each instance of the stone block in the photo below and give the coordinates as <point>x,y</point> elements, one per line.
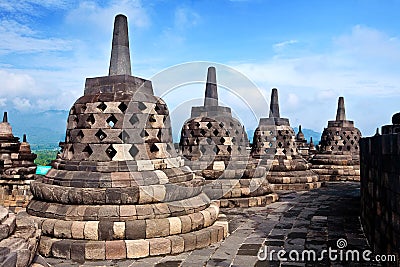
<point>77,230</point>
<point>190,241</point>
<point>118,230</point>
<point>177,244</point>
<point>61,249</point>
<point>135,229</point>
<point>95,250</point>
<point>157,228</point>
<point>160,246</point>
<point>78,251</point>
<point>45,246</point>
<point>91,230</point>
<point>137,248</point>
<point>175,225</point>
<point>115,249</point>
<point>203,238</point>
<point>186,223</point>
<point>127,211</point>
<point>62,229</point>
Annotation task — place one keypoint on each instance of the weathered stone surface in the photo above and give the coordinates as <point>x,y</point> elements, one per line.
<point>137,248</point>
<point>338,156</point>
<point>118,187</point>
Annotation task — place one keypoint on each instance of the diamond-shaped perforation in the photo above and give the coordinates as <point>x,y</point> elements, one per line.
<point>154,148</point>
<point>222,140</point>
<point>111,121</point>
<point>102,106</point>
<point>134,119</point>
<point>203,149</point>
<point>159,134</point>
<point>144,133</point>
<point>90,120</point>
<point>133,151</point>
<point>123,107</point>
<point>229,149</point>
<point>215,132</point>
<point>221,125</point>
<point>216,150</point>
<point>152,118</point>
<point>88,150</point>
<point>169,148</point>
<point>111,152</point>
<point>209,125</point>
<point>101,135</point>
<point>203,132</point>
<point>141,106</point>
<point>209,141</point>
<point>79,136</point>
<point>124,136</point>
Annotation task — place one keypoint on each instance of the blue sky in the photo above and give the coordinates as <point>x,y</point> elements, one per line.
<point>312,51</point>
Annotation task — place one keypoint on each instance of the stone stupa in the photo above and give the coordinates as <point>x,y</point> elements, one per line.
<point>214,145</point>
<point>119,190</point>
<point>17,168</point>
<point>274,146</point>
<point>338,156</point>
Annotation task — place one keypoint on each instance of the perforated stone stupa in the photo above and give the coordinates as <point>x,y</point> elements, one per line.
<point>119,190</point>
<point>17,168</point>
<point>274,146</point>
<point>214,146</point>
<point>338,156</point>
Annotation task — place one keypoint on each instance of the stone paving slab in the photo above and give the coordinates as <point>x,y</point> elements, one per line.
<point>300,220</point>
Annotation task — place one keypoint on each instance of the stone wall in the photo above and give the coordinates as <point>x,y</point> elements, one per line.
<point>380,192</point>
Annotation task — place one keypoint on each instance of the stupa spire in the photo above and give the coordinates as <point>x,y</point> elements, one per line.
<point>5,118</point>
<point>24,138</point>
<point>211,96</point>
<point>274,105</point>
<point>341,112</point>
<point>120,62</point>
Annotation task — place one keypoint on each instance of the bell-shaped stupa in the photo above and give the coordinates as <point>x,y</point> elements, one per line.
<point>274,146</point>
<point>119,190</point>
<point>17,168</point>
<point>338,157</point>
<point>214,145</point>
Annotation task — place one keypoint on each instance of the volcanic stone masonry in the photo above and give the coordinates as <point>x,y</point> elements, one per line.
<point>338,155</point>
<point>17,168</point>
<point>274,146</point>
<point>119,190</point>
<point>214,145</point>
<point>19,238</point>
<point>380,188</point>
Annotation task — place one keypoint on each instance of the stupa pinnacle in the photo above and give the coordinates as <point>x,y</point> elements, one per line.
<point>211,95</point>
<point>120,62</point>
<point>274,105</point>
<point>341,112</point>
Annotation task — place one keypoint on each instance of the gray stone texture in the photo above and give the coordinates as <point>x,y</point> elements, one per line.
<point>338,154</point>
<point>275,148</point>
<point>119,181</point>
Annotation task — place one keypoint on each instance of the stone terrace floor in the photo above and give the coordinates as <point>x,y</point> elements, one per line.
<point>311,220</point>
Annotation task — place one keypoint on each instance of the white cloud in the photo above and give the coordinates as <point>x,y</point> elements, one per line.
<point>185,18</point>
<point>16,83</point>
<point>359,65</point>
<point>98,17</point>
<point>21,103</point>
<point>17,37</point>
<point>281,45</point>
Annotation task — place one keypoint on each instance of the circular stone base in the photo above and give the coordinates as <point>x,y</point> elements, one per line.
<point>246,202</point>
<point>297,187</point>
<point>82,250</point>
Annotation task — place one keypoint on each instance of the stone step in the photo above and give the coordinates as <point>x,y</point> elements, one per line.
<point>80,250</point>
